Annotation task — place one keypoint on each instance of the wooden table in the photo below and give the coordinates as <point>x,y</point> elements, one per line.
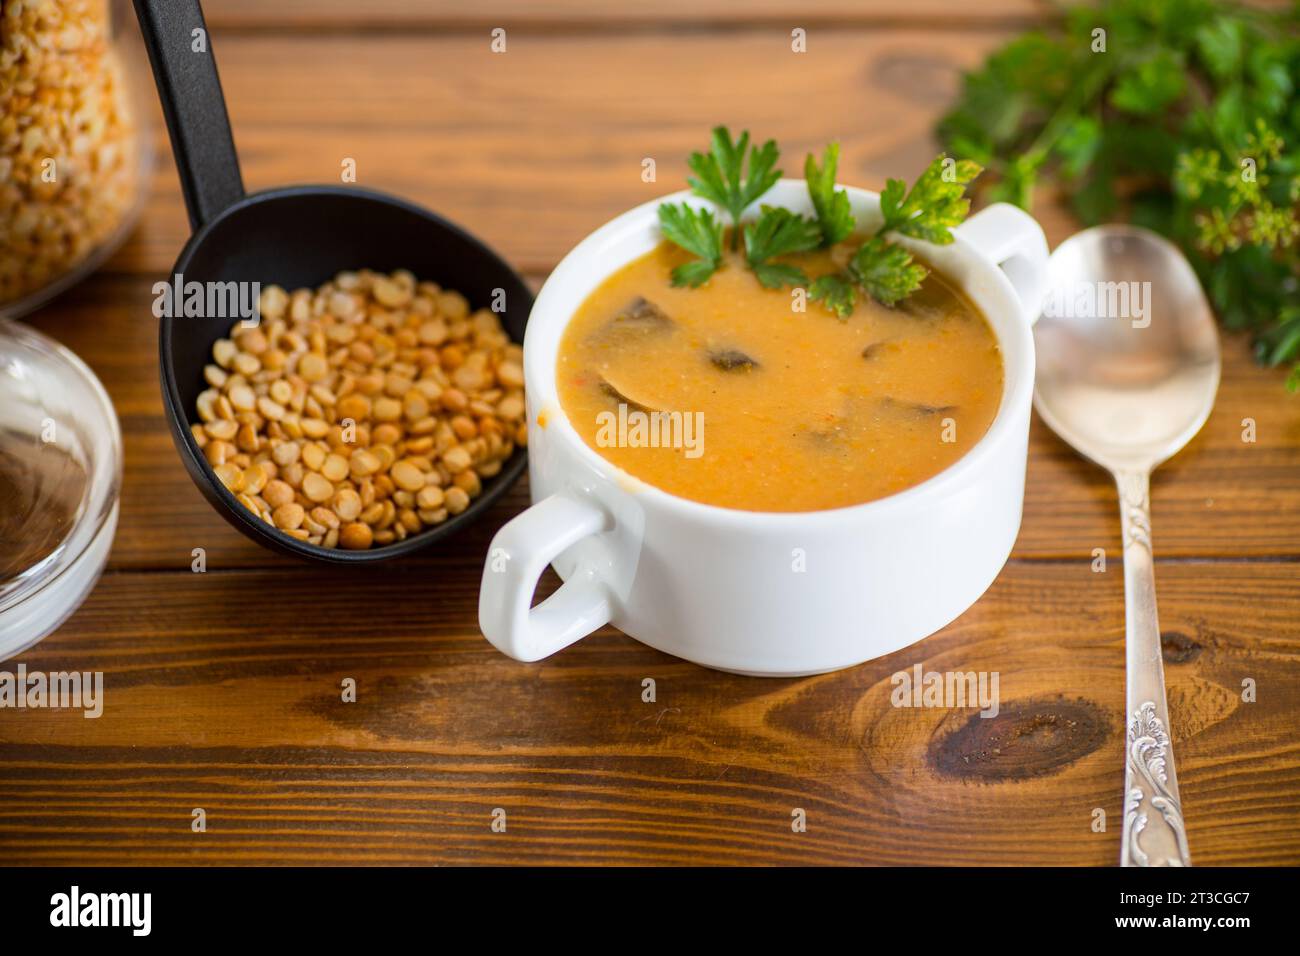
<point>223,688</point>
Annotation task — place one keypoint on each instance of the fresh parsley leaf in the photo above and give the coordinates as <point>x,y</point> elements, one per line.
<point>698,232</point>
<point>1155,84</point>
<point>1079,144</point>
<point>836,292</point>
<point>779,232</point>
<point>775,275</point>
<point>693,274</point>
<point>832,205</point>
<point>1017,183</point>
<point>996,101</point>
<point>1285,344</point>
<point>1094,200</point>
<point>722,175</point>
<point>1227,118</point>
<point>1220,45</point>
<point>886,270</point>
<point>1272,74</point>
<point>935,203</point>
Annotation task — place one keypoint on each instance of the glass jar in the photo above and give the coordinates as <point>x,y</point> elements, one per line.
<point>75,150</point>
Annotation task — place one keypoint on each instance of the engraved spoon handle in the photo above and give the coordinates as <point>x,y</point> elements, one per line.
<point>1153,816</point>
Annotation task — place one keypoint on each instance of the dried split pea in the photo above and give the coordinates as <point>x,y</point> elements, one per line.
<point>313,456</point>
<point>347,504</point>
<point>288,516</point>
<point>316,487</point>
<point>457,500</point>
<point>334,467</point>
<point>356,536</point>
<point>277,493</point>
<point>407,475</point>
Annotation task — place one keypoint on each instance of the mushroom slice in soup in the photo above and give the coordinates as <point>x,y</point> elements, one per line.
<point>732,360</point>
<point>622,394</point>
<point>641,311</point>
<point>917,409</point>
<point>861,413</point>
<point>638,319</point>
<point>880,349</point>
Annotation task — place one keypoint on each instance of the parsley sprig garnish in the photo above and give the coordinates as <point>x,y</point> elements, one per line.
<point>779,232</point>
<point>885,270</point>
<point>734,175</point>
<point>838,291</point>
<point>934,205</point>
<point>722,177</point>
<point>696,231</point>
<point>832,205</point>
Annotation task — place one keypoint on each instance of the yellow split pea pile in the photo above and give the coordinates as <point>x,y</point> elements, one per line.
<point>363,412</point>
<point>69,159</point>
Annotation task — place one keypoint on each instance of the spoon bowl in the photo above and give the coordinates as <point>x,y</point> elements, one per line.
<point>1128,354</point>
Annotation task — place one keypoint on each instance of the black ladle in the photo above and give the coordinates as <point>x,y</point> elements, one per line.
<point>295,236</point>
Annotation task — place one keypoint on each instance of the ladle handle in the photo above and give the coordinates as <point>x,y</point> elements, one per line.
<point>186,73</point>
<point>1154,834</point>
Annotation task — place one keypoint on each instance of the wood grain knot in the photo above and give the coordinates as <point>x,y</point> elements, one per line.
<point>1177,648</point>
<point>1028,738</point>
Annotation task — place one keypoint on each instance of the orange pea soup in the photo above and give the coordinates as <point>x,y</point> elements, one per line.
<point>729,395</point>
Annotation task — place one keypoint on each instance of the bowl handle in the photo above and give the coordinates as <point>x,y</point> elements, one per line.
<point>1012,240</point>
<point>518,555</point>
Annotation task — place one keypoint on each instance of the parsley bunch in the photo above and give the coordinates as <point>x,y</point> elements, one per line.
<point>734,175</point>
<point>1180,115</point>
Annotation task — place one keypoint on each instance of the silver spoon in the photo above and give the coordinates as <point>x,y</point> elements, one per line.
<point>1128,365</point>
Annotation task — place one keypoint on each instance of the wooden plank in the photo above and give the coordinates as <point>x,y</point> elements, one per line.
<point>226,696</point>
<point>598,15</point>
<point>533,158</point>
<point>570,14</point>
<point>1219,497</point>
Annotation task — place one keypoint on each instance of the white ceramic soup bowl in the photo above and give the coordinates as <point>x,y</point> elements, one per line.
<point>763,593</point>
